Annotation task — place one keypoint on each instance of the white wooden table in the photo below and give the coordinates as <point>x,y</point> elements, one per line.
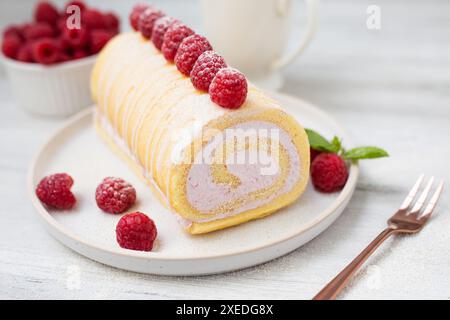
<point>389,87</point>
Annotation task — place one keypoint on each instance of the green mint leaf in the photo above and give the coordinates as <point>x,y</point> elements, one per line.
<point>337,143</point>
<point>317,142</point>
<point>365,153</point>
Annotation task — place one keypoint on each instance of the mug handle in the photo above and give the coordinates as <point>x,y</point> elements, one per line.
<point>313,10</point>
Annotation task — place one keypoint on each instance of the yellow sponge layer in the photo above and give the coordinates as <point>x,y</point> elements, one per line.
<point>152,116</point>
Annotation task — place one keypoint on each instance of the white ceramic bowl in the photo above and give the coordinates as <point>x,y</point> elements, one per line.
<point>58,90</point>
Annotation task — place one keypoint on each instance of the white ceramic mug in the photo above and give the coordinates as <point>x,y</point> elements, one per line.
<point>253,35</point>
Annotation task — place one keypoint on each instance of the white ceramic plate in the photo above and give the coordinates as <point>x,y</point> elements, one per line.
<point>77,150</point>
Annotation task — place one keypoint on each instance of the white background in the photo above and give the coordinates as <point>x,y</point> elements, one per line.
<point>389,88</point>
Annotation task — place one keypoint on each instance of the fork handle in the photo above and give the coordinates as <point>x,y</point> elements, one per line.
<point>335,286</point>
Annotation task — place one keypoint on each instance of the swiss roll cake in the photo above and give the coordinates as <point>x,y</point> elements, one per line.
<point>212,167</point>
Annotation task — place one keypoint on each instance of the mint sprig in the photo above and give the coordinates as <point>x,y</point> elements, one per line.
<point>320,143</point>
<point>337,143</point>
<point>364,153</point>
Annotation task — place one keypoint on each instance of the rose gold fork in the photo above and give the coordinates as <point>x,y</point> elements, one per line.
<point>403,221</point>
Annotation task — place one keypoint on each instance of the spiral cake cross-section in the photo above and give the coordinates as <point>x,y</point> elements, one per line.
<point>212,167</point>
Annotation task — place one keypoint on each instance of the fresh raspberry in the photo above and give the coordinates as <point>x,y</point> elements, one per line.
<point>24,54</point>
<point>229,88</point>
<point>147,20</point>
<point>79,4</point>
<point>11,46</point>
<point>99,38</point>
<point>159,29</point>
<point>205,69</point>
<point>79,54</point>
<point>75,38</point>
<point>329,172</point>
<point>136,231</point>
<point>66,51</point>
<point>46,12</point>
<point>173,38</point>
<point>190,49</point>
<point>13,31</point>
<point>313,154</point>
<point>111,21</point>
<point>46,51</point>
<point>135,13</point>
<point>61,26</point>
<point>64,57</point>
<point>38,31</point>
<point>115,195</point>
<point>23,29</point>
<point>93,19</point>
<point>54,191</point>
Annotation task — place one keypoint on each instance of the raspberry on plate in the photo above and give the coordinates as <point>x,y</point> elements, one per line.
<point>173,38</point>
<point>46,12</point>
<point>190,49</point>
<point>54,191</point>
<point>229,88</point>
<point>38,31</point>
<point>99,38</point>
<point>313,154</point>
<point>135,13</point>
<point>46,51</point>
<point>115,195</point>
<point>147,20</point>
<point>329,172</point>
<point>11,46</point>
<point>205,69</point>
<point>136,231</point>
<point>159,29</point>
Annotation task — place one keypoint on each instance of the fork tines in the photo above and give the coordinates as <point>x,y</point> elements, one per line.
<point>418,206</point>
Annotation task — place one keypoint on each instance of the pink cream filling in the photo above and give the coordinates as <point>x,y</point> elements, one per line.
<point>205,195</point>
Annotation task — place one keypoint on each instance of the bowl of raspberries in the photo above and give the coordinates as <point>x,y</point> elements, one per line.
<point>49,59</point>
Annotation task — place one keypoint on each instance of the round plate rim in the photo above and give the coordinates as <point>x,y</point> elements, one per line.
<point>46,216</point>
